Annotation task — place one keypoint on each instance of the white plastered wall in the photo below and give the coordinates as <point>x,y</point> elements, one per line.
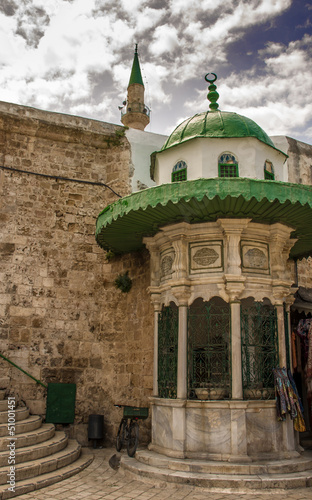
<point>201,156</point>
<point>143,144</point>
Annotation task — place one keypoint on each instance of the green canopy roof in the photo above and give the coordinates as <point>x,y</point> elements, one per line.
<point>136,76</point>
<point>122,225</point>
<point>216,124</point>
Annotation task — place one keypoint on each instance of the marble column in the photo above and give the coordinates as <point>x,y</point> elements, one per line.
<point>281,335</point>
<point>155,368</point>
<point>236,352</point>
<point>289,301</point>
<point>182,353</point>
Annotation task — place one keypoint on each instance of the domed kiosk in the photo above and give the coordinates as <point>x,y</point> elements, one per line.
<point>222,226</point>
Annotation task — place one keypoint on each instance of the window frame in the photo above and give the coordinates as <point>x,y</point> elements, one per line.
<point>179,172</point>
<point>233,166</point>
<point>268,175</point>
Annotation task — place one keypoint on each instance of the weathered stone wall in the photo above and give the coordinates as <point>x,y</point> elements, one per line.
<point>61,317</point>
<point>299,162</point>
<point>300,171</point>
<point>304,269</point>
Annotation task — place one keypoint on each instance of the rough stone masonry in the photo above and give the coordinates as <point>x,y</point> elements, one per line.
<point>62,318</point>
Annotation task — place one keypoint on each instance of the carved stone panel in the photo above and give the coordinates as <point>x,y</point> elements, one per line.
<point>255,257</point>
<point>166,263</point>
<point>206,257</point>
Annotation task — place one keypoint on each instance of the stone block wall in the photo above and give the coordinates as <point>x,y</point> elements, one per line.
<point>304,268</point>
<point>61,317</point>
<point>299,162</point>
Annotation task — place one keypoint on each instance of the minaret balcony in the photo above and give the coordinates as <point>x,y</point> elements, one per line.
<point>136,107</point>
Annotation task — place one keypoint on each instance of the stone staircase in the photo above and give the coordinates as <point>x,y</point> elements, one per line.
<point>42,455</point>
<point>220,476</point>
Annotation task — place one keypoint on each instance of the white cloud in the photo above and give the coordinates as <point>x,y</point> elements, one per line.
<point>278,99</point>
<point>308,133</point>
<point>76,56</point>
<point>148,18</point>
<point>192,11</point>
<point>165,40</point>
<point>132,5</point>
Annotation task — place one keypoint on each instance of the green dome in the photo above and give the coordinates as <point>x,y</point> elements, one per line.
<point>216,124</point>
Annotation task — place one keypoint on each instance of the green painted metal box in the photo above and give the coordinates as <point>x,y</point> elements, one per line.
<point>135,412</point>
<point>61,400</point>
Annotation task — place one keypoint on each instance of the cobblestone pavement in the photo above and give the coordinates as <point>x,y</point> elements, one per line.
<point>99,481</point>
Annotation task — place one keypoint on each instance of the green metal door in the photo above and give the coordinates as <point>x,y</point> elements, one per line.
<point>61,403</point>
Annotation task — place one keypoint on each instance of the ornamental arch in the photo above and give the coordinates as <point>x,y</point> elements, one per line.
<point>208,353</point>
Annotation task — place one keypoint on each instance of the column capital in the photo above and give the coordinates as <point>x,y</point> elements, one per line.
<point>234,286</point>
<point>280,292</point>
<point>182,294</point>
<point>233,226</point>
<point>290,299</point>
<point>155,297</point>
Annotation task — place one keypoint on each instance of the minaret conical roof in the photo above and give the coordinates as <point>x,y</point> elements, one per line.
<point>136,76</point>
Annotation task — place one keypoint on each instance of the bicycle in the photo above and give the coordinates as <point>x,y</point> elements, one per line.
<point>128,430</point>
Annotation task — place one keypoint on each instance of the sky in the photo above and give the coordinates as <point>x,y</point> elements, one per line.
<point>75,57</point>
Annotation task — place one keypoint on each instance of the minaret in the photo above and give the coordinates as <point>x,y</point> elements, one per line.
<point>136,114</point>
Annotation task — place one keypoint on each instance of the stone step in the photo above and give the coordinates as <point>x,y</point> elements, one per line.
<point>31,423</point>
<point>284,466</point>
<point>14,416</point>
<point>43,433</point>
<point>43,465</point>
<point>57,443</point>
<point>55,476</point>
<point>3,405</point>
<point>219,481</point>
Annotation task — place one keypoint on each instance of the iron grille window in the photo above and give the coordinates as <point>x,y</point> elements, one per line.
<point>268,171</point>
<point>180,175</point>
<point>259,349</point>
<point>209,349</point>
<point>269,176</point>
<point>168,323</point>
<point>228,171</point>
<point>227,165</point>
<point>179,172</point>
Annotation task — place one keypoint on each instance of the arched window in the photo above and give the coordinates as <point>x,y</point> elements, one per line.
<point>259,348</point>
<point>209,349</point>
<point>227,165</point>
<point>168,325</point>
<point>179,172</point>
<point>268,170</point>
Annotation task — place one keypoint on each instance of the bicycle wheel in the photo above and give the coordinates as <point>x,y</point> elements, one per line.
<point>120,439</point>
<point>133,438</point>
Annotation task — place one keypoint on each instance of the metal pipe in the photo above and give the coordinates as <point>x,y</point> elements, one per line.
<point>21,369</point>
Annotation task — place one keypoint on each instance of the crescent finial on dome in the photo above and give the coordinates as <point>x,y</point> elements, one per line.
<point>212,95</point>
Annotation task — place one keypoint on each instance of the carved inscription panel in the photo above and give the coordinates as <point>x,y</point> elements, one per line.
<point>255,257</point>
<point>166,263</point>
<point>206,257</point>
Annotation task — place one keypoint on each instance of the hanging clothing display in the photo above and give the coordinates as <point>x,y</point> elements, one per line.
<point>309,354</point>
<point>287,399</point>
<point>303,329</point>
<point>294,350</point>
<point>304,332</point>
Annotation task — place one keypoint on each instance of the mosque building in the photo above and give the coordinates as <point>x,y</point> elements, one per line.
<point>222,226</point>
<point>172,273</point>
